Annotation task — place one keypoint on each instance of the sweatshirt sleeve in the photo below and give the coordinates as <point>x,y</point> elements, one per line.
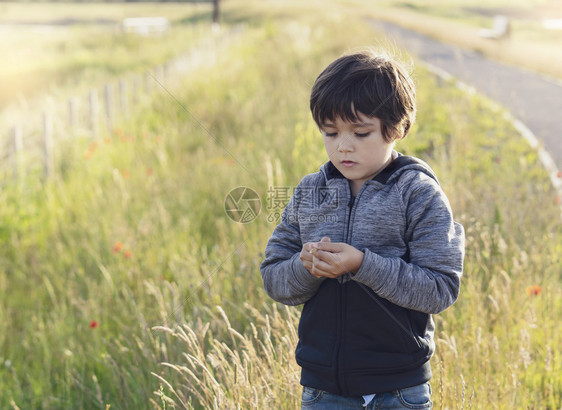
<point>285,278</point>
<point>428,279</point>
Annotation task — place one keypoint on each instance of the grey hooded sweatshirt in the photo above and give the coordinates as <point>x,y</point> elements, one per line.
<point>371,331</point>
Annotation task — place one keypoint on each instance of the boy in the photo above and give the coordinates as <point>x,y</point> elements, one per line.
<point>368,244</point>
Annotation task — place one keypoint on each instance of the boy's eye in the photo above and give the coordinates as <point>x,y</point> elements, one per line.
<point>357,134</point>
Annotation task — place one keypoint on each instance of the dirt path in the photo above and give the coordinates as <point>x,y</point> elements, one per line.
<point>533,99</point>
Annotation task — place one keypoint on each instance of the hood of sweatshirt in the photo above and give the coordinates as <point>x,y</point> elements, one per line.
<point>389,174</point>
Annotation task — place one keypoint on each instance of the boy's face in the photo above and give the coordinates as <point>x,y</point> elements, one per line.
<point>358,150</point>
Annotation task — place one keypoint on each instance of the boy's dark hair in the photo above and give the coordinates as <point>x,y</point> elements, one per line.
<point>371,84</point>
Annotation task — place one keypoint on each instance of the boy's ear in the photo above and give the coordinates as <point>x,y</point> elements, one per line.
<point>396,136</point>
<point>399,135</point>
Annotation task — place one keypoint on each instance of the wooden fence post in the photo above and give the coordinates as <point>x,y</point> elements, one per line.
<point>136,89</point>
<point>48,159</point>
<point>166,70</point>
<point>72,113</point>
<point>123,97</point>
<point>94,112</point>
<point>109,114</point>
<point>159,74</point>
<point>17,151</point>
<point>147,82</point>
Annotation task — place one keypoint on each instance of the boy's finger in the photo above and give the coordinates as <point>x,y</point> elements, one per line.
<point>328,246</point>
<point>309,247</point>
<point>318,271</point>
<point>323,263</point>
<point>306,257</point>
<point>323,256</point>
<point>332,260</point>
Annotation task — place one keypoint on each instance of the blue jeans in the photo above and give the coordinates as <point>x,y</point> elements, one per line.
<point>416,397</point>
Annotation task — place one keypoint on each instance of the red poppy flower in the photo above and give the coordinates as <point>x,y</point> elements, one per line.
<point>94,324</point>
<point>117,247</point>
<point>534,290</point>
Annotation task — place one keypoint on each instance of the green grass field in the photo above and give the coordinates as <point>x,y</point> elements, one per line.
<point>51,47</point>
<point>126,286</point>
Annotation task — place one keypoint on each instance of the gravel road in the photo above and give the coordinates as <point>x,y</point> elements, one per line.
<point>534,99</point>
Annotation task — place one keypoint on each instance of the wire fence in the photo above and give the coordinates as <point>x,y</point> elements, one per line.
<point>29,147</point>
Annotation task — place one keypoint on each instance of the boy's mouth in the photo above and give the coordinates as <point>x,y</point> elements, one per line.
<point>347,163</point>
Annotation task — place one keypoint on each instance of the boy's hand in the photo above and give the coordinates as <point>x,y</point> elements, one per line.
<point>330,260</point>
<point>307,254</point>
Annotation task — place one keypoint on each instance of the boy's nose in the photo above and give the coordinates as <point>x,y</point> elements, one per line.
<point>346,144</point>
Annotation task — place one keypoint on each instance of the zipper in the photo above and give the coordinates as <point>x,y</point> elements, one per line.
<point>340,333</point>
<point>341,298</point>
<point>350,206</point>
